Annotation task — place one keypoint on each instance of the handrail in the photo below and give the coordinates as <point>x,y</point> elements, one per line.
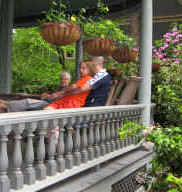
<point>31,149</point>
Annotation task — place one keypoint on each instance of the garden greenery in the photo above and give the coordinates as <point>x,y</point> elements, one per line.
<point>63,12</point>
<point>166,165</point>
<point>35,63</point>
<point>167,83</point>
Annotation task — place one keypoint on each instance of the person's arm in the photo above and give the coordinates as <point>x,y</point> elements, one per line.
<point>74,90</point>
<point>66,91</point>
<point>84,88</point>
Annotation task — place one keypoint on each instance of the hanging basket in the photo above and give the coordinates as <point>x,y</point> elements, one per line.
<point>155,67</point>
<point>98,47</point>
<point>124,55</point>
<point>60,33</point>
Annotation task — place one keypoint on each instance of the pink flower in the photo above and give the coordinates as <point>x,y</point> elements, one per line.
<point>173,34</point>
<point>175,41</point>
<point>175,50</point>
<point>160,56</point>
<point>177,61</point>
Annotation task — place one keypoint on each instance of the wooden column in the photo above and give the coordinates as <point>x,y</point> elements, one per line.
<point>6,26</point>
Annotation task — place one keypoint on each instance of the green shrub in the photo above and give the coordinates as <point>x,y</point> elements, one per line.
<point>35,63</point>
<point>167,83</point>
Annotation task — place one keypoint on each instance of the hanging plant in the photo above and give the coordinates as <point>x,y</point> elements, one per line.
<point>98,47</point>
<point>60,33</point>
<point>124,55</point>
<point>63,25</point>
<point>101,37</point>
<point>59,27</point>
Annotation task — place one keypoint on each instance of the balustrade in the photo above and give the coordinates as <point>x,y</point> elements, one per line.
<point>85,135</point>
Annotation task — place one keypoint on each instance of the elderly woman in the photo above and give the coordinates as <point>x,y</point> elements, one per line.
<point>34,104</point>
<point>65,79</point>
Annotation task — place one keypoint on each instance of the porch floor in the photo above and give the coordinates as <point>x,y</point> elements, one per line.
<point>101,179</point>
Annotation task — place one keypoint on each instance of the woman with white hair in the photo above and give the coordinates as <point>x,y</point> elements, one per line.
<point>35,104</point>
<point>65,79</point>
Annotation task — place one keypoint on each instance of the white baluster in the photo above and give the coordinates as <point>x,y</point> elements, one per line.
<point>103,134</point>
<point>69,144</point>
<point>51,163</point>
<point>61,147</point>
<point>117,125</point>
<point>4,180</point>
<point>113,144</point>
<point>77,142</point>
<point>97,137</point>
<point>40,168</point>
<point>108,135</point>
<point>91,139</point>
<point>84,140</point>
<point>29,171</point>
<point>16,175</point>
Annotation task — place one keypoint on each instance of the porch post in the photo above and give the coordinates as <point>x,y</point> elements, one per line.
<point>6,26</point>
<point>146,58</point>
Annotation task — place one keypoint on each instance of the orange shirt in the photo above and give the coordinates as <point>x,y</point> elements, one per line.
<point>73,101</point>
<point>81,97</point>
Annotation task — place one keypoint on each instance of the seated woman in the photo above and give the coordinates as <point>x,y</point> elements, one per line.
<point>75,100</point>
<point>29,104</point>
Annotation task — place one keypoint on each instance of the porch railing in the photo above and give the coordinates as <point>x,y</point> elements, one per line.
<point>30,161</point>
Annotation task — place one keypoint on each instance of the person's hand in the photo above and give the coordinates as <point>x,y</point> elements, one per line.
<point>55,94</point>
<point>45,95</point>
<point>58,94</point>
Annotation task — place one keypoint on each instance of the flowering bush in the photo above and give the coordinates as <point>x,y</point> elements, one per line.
<point>167,83</point>
<point>169,48</point>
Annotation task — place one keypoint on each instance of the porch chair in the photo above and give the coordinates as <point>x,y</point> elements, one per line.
<point>123,92</point>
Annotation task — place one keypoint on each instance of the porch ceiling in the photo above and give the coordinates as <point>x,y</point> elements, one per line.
<point>28,12</point>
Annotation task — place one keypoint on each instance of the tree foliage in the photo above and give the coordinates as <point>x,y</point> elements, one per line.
<point>36,66</point>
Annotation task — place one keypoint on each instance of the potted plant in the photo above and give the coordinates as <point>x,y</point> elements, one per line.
<point>124,54</point>
<point>125,51</point>
<point>98,46</point>
<point>117,69</point>
<point>166,169</point>
<point>59,27</point>
<point>101,37</point>
<point>156,64</point>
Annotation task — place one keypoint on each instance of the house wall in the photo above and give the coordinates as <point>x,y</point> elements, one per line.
<point>165,13</point>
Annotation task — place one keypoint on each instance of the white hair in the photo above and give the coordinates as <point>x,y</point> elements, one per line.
<point>65,74</point>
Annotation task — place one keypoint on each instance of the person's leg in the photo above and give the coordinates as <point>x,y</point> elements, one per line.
<point>17,105</point>
<point>3,106</point>
<point>34,104</point>
<point>49,108</point>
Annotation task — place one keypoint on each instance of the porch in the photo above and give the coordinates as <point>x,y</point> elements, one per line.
<point>87,136</point>
<point>87,140</point>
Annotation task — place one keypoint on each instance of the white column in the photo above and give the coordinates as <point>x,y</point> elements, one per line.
<point>6,25</point>
<point>146,58</point>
